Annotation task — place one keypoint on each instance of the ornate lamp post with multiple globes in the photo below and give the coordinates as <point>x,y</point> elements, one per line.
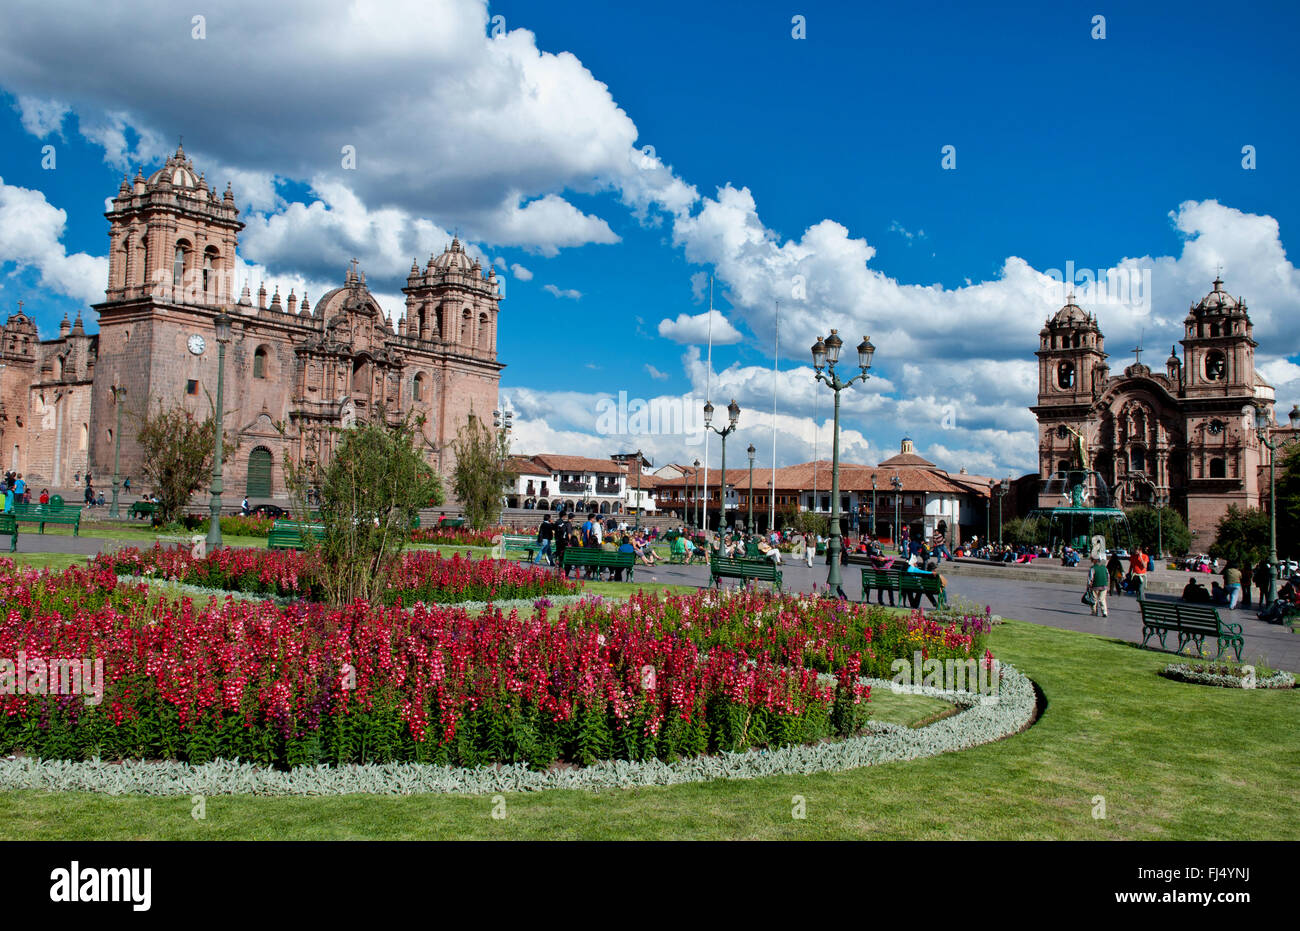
<point>826,354</point>
<point>733,413</point>
<point>222,325</point>
<point>119,392</point>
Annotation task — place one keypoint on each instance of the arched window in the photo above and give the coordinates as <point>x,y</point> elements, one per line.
<point>1218,468</point>
<point>1065,375</point>
<point>259,362</point>
<point>85,437</point>
<point>417,388</point>
<point>483,331</point>
<point>1216,365</point>
<point>209,279</point>
<point>178,267</point>
<point>466,322</point>
<point>1138,460</point>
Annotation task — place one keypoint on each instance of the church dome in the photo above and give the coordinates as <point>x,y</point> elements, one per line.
<point>1070,315</point>
<point>177,171</point>
<point>454,258</point>
<point>1218,301</point>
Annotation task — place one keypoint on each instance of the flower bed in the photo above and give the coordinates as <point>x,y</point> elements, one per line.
<point>980,723</point>
<point>304,684</point>
<point>421,576</point>
<point>455,536</point>
<point>1228,675</point>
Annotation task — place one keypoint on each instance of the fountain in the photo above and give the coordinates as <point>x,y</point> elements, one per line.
<point>1088,506</point>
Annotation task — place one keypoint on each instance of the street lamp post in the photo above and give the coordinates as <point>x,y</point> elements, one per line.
<point>638,490</point>
<point>1161,501</point>
<point>503,424</point>
<point>1003,487</point>
<point>988,514</point>
<point>119,392</point>
<point>733,413</point>
<point>826,353</point>
<point>896,483</point>
<point>1263,425</point>
<point>749,521</point>
<point>695,492</point>
<point>222,325</point>
<point>873,507</point>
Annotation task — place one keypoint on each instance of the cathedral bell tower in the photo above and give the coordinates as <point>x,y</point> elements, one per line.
<point>1219,347</point>
<point>1072,373</point>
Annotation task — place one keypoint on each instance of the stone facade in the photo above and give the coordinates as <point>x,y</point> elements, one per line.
<point>1179,432</point>
<point>294,372</point>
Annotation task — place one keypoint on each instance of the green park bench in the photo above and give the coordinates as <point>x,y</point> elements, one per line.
<point>882,580</point>
<point>1192,623</point>
<point>144,510</point>
<point>451,522</point>
<point>913,583</point>
<point>520,542</point>
<point>287,535</point>
<point>9,528</point>
<point>763,570</point>
<point>51,513</point>
<point>593,557</point>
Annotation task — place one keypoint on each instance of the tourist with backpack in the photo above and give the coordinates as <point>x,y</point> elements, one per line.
<point>1098,584</point>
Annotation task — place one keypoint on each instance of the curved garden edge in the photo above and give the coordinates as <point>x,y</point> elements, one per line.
<point>983,721</point>
<point>1182,672</point>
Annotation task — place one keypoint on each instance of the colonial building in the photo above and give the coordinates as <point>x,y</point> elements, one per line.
<point>294,370</point>
<point>1178,432</point>
<point>907,492</point>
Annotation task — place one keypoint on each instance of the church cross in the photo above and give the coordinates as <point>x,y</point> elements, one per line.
<point>1137,350</point>
<point>20,307</point>
<point>354,268</point>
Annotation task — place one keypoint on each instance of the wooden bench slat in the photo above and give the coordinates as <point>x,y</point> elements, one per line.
<point>742,568</point>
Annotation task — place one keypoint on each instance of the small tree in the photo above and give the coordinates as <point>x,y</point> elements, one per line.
<point>1242,536</point>
<point>1025,531</point>
<point>177,451</point>
<point>1150,528</point>
<point>371,491</point>
<point>1288,502</point>
<point>810,522</point>
<point>479,476</point>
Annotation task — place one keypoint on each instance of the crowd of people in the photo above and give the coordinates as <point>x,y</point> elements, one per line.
<point>1235,591</point>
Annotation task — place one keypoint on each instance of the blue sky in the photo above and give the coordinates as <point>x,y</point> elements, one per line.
<point>773,157</point>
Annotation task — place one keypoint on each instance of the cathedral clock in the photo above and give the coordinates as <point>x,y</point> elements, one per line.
<point>196,344</point>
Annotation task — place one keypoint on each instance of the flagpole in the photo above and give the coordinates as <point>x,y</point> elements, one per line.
<point>708,399</point>
<point>776,360</point>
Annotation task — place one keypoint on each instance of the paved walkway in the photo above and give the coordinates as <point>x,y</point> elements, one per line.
<point>1053,605</point>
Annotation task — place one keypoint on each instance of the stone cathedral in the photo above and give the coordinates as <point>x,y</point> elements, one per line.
<point>294,369</point>
<point>1178,432</point>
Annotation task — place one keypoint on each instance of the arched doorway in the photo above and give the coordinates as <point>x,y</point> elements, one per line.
<point>259,473</point>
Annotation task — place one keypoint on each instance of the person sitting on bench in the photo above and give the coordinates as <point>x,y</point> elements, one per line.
<point>1196,593</point>
<point>914,598</point>
<point>1284,602</point>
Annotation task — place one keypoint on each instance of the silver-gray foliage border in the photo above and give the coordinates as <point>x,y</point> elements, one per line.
<point>983,719</point>
<point>1184,672</point>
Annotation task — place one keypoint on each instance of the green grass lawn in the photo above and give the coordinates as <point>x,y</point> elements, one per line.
<point>1172,761</point>
<point>56,561</point>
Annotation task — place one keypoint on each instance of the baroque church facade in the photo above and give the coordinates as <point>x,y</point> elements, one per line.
<point>295,371</point>
<point>1179,432</point>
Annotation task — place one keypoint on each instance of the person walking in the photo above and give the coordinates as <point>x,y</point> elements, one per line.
<point>563,529</point>
<point>545,533</point>
<point>809,548</point>
<point>1260,578</point>
<point>1137,567</point>
<point>1098,585</point>
<point>1232,583</point>
<point>1115,570</point>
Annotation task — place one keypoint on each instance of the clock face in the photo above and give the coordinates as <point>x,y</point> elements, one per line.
<point>196,344</point>
<point>1216,427</point>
